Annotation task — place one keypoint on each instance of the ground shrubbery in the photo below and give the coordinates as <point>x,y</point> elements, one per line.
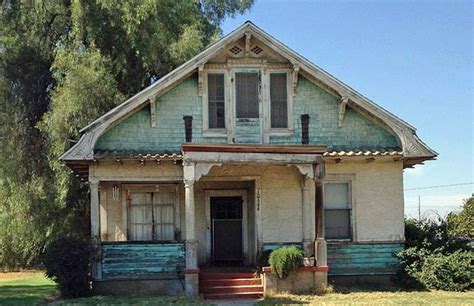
<point>67,262</point>
<point>285,261</point>
<point>435,258</point>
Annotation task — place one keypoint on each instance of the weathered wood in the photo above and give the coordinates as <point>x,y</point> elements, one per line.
<point>305,129</point>
<point>363,259</point>
<point>153,113</point>
<point>142,261</point>
<point>342,111</point>
<point>249,148</point>
<point>188,128</point>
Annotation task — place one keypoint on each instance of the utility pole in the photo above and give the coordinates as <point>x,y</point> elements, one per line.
<point>419,208</point>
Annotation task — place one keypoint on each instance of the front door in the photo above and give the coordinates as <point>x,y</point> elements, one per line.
<point>226,230</point>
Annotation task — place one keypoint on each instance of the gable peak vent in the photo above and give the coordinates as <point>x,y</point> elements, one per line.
<point>235,50</point>
<point>257,50</point>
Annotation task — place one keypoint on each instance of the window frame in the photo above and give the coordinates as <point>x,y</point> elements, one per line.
<point>145,188</point>
<point>352,229</point>
<point>289,130</point>
<point>206,130</point>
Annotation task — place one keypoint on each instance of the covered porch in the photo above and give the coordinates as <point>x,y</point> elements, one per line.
<point>219,205</point>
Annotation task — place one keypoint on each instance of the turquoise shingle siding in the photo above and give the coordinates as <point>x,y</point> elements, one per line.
<point>247,131</point>
<point>142,261</point>
<point>135,133</point>
<point>363,259</point>
<point>358,132</point>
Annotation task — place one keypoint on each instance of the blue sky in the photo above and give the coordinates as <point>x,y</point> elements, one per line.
<point>414,58</point>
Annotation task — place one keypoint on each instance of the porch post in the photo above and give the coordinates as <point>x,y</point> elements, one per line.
<point>192,270</point>
<point>321,247</point>
<point>308,220</point>
<point>96,268</point>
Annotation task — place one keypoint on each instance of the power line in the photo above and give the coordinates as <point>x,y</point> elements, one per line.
<point>439,186</point>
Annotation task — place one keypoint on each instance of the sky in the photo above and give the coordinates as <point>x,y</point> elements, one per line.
<point>414,58</point>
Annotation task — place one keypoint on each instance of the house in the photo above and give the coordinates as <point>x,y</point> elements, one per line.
<point>245,148</point>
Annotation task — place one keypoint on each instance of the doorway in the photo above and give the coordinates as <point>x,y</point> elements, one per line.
<point>227,227</point>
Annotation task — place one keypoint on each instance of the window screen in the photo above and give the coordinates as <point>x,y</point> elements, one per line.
<point>151,216</point>
<point>246,91</point>
<point>216,100</point>
<point>337,211</point>
<point>278,100</point>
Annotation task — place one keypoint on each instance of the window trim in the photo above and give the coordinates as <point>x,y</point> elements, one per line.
<point>346,179</point>
<point>289,130</point>
<point>126,188</point>
<point>214,132</point>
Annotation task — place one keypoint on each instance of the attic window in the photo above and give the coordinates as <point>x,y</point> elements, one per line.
<point>257,50</point>
<point>235,50</point>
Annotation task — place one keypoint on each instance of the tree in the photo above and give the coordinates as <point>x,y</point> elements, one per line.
<point>63,64</point>
<point>462,224</point>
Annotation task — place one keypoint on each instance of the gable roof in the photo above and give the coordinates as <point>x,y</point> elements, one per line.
<point>414,150</point>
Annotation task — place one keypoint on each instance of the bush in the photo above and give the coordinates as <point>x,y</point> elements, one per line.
<point>285,261</point>
<point>452,272</point>
<point>67,262</point>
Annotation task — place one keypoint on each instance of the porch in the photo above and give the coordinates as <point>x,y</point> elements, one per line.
<point>167,221</point>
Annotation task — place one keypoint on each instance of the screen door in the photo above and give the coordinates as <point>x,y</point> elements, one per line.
<point>226,219</point>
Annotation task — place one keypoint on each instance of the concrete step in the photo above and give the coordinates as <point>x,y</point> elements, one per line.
<point>234,296</point>
<point>230,282</point>
<point>217,275</point>
<point>232,289</point>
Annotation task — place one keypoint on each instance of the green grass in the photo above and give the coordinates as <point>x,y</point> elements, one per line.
<point>25,288</point>
<point>32,288</point>
<point>370,297</point>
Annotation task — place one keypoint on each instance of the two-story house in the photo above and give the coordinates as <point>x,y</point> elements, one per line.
<point>244,148</point>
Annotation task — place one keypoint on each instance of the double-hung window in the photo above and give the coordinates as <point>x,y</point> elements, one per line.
<point>278,100</point>
<point>151,215</point>
<point>216,100</point>
<point>337,210</point>
<point>246,94</point>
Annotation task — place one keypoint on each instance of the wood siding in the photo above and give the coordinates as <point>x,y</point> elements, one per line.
<point>142,261</point>
<point>363,259</point>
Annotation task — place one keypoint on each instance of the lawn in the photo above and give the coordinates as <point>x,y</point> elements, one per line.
<point>28,288</point>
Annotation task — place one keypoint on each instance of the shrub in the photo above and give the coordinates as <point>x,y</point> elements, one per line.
<point>67,262</point>
<point>452,272</point>
<point>285,261</point>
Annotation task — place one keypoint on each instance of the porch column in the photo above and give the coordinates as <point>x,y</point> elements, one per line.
<point>192,270</point>
<point>320,244</point>
<point>308,219</point>
<point>96,268</point>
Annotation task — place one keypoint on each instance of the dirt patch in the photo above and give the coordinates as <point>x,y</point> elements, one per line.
<point>7,276</point>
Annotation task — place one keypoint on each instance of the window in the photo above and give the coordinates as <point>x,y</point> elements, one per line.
<point>246,94</point>
<point>278,100</point>
<point>216,100</point>
<point>337,210</point>
<point>151,215</point>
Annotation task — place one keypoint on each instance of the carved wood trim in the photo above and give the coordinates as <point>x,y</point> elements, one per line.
<point>201,80</point>
<point>294,78</point>
<point>153,112</point>
<point>342,111</point>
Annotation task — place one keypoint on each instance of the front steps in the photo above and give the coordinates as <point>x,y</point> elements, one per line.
<point>230,286</point>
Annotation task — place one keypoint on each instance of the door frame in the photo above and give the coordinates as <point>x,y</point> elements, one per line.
<point>227,193</point>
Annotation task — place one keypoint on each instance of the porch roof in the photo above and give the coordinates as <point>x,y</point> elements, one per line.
<point>253,148</point>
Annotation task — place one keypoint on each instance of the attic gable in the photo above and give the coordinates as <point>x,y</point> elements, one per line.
<point>413,148</point>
